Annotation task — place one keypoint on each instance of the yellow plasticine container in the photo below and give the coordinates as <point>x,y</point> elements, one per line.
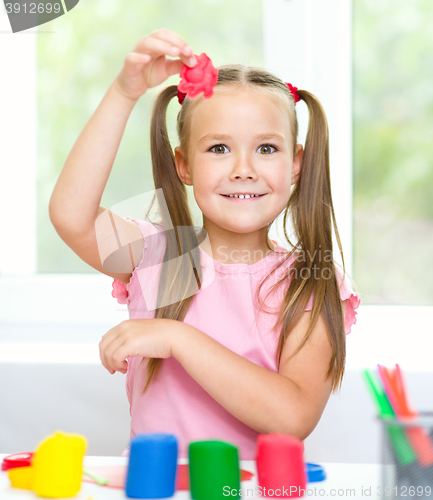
<point>58,465</point>
<point>21,477</point>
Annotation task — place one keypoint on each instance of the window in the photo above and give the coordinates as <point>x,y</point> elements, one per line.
<point>393,174</point>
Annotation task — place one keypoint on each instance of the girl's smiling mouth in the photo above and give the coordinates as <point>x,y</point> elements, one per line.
<point>243,196</point>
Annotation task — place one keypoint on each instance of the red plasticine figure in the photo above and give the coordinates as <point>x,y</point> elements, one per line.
<point>201,78</point>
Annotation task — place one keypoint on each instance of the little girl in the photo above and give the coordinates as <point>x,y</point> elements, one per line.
<point>230,335</point>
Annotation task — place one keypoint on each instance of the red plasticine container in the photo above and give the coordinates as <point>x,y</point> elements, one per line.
<point>17,460</point>
<point>280,466</point>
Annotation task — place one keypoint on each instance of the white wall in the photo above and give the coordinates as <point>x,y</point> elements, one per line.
<point>40,398</point>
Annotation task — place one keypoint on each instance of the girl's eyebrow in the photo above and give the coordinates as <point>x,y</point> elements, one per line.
<point>223,137</point>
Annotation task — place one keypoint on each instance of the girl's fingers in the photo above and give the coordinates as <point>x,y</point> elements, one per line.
<point>174,40</point>
<point>118,359</point>
<point>137,58</point>
<point>154,46</point>
<point>158,46</point>
<point>184,50</point>
<point>174,66</point>
<point>107,339</point>
<point>124,367</point>
<point>170,37</point>
<point>103,358</point>
<point>114,360</point>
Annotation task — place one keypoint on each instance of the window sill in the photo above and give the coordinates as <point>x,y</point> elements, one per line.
<point>49,352</point>
<point>59,298</point>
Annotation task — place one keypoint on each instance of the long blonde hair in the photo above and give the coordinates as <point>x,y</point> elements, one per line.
<point>310,205</point>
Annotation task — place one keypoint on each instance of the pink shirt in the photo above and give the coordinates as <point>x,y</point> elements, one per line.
<point>224,310</point>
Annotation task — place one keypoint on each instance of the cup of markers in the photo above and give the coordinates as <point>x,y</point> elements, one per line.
<point>407,456</point>
<point>407,437</point>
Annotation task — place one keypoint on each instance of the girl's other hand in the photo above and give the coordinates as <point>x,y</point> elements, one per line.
<point>149,338</point>
<point>147,66</point>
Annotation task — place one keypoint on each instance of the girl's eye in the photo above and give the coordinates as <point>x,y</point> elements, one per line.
<point>219,146</point>
<point>267,146</point>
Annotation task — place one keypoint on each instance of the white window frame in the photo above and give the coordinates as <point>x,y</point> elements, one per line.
<point>306,43</point>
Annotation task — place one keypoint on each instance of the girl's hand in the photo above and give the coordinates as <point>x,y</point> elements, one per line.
<point>149,338</point>
<point>146,66</point>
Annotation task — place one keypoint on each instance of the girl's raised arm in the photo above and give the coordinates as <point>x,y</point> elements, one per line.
<point>75,201</point>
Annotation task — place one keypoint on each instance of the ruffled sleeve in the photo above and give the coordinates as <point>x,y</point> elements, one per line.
<point>120,289</point>
<point>120,292</point>
<point>346,294</point>
<point>352,303</point>
<point>153,251</point>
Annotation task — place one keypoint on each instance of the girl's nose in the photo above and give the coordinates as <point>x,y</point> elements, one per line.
<point>243,168</point>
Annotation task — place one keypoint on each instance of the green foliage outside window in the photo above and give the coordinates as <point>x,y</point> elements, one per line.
<point>393,159</point>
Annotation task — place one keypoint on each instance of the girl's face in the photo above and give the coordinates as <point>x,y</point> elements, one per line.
<point>240,142</point>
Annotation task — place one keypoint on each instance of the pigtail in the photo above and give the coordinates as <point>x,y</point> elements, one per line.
<point>313,214</point>
<point>181,274</point>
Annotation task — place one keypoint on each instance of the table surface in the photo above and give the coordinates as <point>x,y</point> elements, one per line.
<point>354,481</point>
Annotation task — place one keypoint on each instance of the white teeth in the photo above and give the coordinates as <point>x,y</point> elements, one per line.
<point>242,196</point>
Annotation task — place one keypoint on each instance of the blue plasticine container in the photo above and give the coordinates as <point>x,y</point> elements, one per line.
<point>152,466</point>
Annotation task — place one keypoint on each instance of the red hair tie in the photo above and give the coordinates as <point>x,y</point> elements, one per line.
<point>180,96</point>
<point>294,92</point>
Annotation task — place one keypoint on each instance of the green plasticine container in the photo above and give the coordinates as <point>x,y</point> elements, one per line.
<point>214,472</point>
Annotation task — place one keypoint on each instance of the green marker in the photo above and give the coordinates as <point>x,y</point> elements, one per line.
<point>397,436</point>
